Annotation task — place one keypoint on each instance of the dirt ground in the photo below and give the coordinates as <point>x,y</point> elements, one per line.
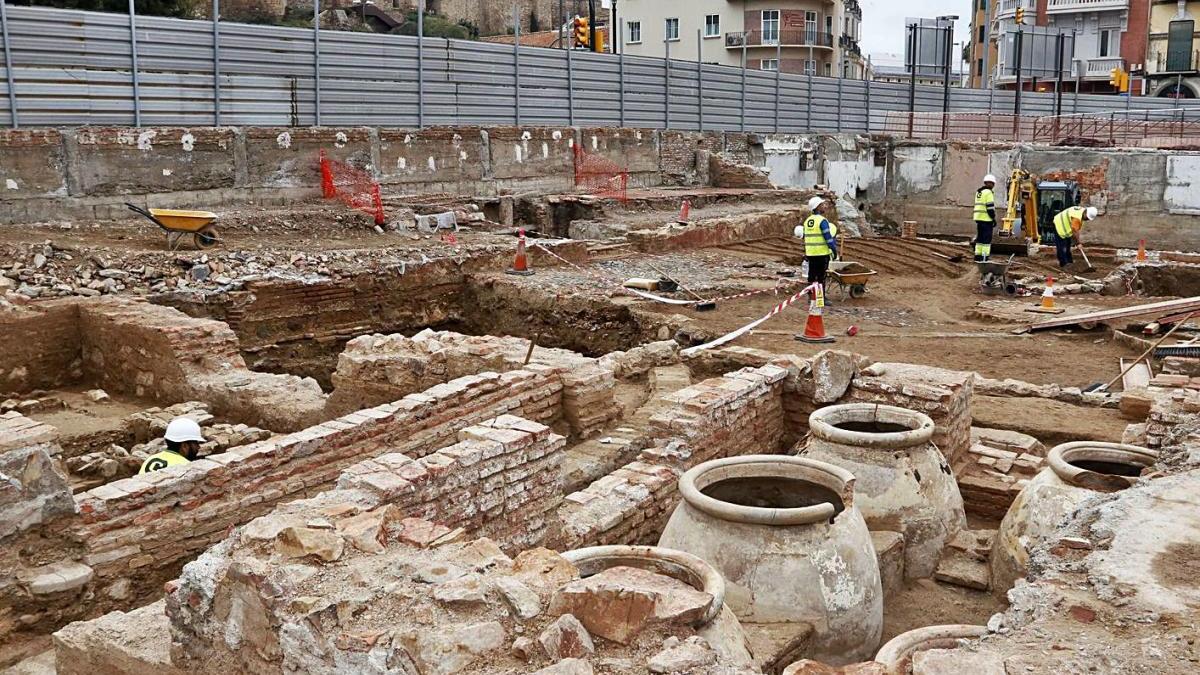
<point>928,603</point>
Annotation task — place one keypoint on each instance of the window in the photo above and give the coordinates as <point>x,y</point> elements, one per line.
<point>810,28</point>
<point>635,32</point>
<point>979,67</point>
<point>810,67</point>
<point>770,26</point>
<point>982,36</point>
<point>672,29</point>
<point>828,25</point>
<point>828,70</point>
<point>712,25</point>
<point>1110,43</point>
<point>770,64</point>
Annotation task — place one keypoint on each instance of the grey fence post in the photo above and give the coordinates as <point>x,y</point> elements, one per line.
<point>808,106</point>
<point>778,70</point>
<point>667,77</point>
<point>517,63</point>
<point>216,29</point>
<point>8,67</point>
<point>743,108</point>
<point>621,88</point>
<point>839,105</point>
<point>570,90</point>
<point>700,78</point>
<point>867,80</point>
<point>316,62</point>
<point>133,54</point>
<point>421,65</point>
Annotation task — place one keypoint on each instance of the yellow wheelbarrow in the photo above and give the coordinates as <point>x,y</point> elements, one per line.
<point>179,224</point>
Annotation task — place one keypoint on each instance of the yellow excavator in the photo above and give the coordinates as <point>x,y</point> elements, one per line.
<point>1031,207</point>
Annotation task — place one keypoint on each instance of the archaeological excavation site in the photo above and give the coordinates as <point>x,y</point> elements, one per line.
<point>570,400</point>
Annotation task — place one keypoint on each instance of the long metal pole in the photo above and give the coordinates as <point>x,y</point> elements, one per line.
<point>778,69</point>
<point>946,80</point>
<point>1059,44</point>
<point>562,18</point>
<point>912,77</point>
<point>612,27</point>
<point>421,64</point>
<point>621,82</point>
<point>517,63</point>
<point>867,79</point>
<point>700,77</point>
<point>808,105</point>
<point>133,58</point>
<point>570,89</point>
<point>8,68</point>
<point>316,62</point>
<point>592,24</point>
<point>216,28</point>
<point>1020,44</point>
<point>667,93</point>
<point>745,36</point>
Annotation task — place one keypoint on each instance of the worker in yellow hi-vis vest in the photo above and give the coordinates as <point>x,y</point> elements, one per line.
<point>985,218</point>
<point>1067,226</point>
<point>820,241</point>
<point>183,444</point>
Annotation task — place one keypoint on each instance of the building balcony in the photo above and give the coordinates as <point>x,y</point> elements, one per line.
<point>1008,9</point>
<point>1066,6</point>
<point>1097,69</point>
<point>781,38</point>
<point>849,45</point>
<point>1157,63</point>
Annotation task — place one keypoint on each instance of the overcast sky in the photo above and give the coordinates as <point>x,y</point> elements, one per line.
<point>883,24</point>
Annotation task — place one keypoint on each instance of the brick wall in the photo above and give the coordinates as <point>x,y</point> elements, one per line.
<point>677,155</point>
<point>944,395</point>
<point>41,347</point>
<point>740,413</point>
<point>134,534</point>
<point>374,369</point>
<point>720,231</point>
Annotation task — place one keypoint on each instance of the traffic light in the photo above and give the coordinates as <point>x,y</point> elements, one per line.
<point>1021,16</point>
<point>1119,79</point>
<point>582,33</point>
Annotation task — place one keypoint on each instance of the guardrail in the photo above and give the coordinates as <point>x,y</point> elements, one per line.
<point>1151,128</point>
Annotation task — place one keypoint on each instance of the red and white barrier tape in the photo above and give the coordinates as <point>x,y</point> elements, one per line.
<point>753,324</point>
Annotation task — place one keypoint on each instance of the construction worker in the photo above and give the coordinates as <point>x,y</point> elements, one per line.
<point>820,240</point>
<point>1067,226</point>
<point>183,444</point>
<point>985,218</point>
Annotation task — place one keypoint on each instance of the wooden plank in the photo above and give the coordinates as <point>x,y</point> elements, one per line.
<point>1182,305</point>
<point>1136,377</point>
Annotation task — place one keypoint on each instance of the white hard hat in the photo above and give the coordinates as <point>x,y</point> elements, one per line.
<point>183,429</point>
<point>1091,212</point>
<point>989,178</point>
<point>814,202</point>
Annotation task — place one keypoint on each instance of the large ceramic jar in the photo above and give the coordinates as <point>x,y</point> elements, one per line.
<point>896,655</point>
<point>1073,473</point>
<point>718,626</point>
<point>902,481</point>
<point>787,536</point>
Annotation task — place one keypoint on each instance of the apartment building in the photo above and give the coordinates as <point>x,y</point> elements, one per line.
<point>1106,34</point>
<point>1173,51</point>
<point>817,37</point>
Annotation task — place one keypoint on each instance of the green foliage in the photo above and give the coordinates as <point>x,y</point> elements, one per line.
<point>436,25</point>
<point>177,8</point>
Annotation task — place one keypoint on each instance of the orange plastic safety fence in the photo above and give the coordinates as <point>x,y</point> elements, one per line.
<point>598,176</point>
<point>352,186</point>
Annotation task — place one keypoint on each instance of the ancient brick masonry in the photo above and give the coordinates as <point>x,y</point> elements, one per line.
<point>135,532</point>
<point>944,395</point>
<point>378,368</point>
<point>501,480</point>
<point>740,413</point>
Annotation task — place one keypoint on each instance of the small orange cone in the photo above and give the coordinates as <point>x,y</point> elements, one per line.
<point>684,211</point>
<point>1141,255</point>
<point>1048,294</point>
<point>814,328</point>
<point>520,265</point>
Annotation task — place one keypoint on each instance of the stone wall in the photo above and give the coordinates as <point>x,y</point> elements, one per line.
<point>778,222</point>
<point>740,413</point>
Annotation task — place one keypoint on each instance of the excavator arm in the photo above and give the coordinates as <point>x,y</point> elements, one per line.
<point>1021,204</point>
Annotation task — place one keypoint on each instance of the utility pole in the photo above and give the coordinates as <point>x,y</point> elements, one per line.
<point>592,24</point>
<point>1019,41</point>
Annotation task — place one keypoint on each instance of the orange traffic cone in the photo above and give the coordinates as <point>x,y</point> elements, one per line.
<point>520,265</point>
<point>1141,255</point>
<point>1048,294</point>
<point>814,328</point>
<point>684,210</point>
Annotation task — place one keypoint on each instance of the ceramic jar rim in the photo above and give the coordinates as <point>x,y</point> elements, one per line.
<point>678,565</point>
<point>823,424</point>
<point>819,473</point>
<point>1060,457</point>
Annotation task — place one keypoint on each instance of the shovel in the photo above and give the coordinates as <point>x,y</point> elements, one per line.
<point>1083,253</point>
